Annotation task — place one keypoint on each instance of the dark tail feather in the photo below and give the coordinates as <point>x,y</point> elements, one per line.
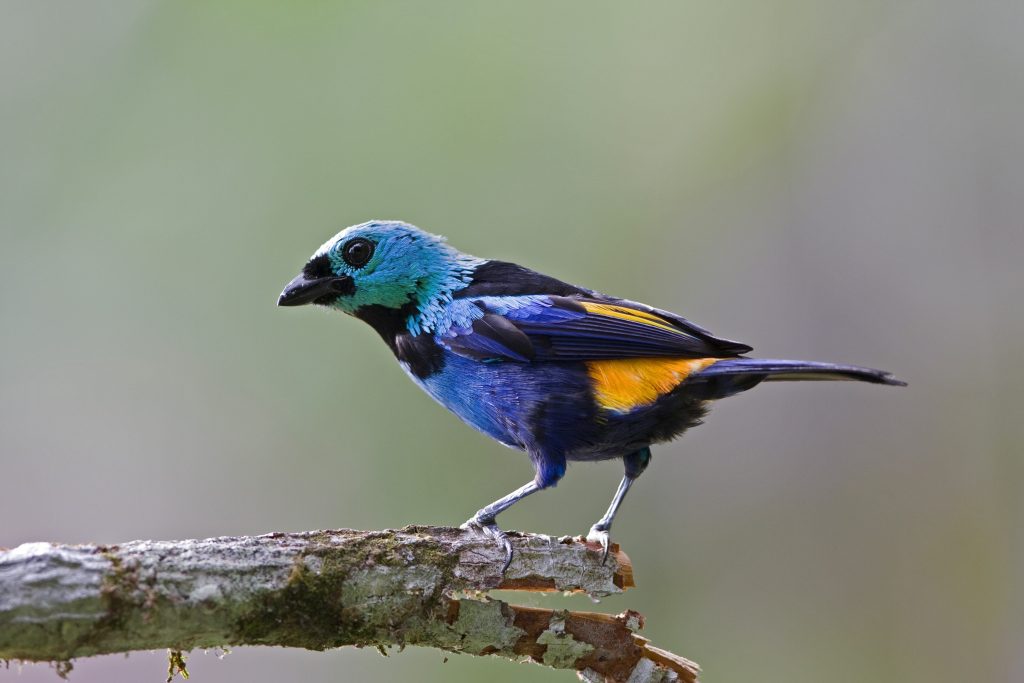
<point>732,375</point>
<point>773,370</point>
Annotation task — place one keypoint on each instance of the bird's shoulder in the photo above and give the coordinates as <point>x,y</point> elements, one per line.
<point>501,278</point>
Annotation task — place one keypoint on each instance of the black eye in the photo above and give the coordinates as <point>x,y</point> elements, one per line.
<point>357,252</point>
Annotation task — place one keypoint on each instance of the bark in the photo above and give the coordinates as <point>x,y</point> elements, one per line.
<point>414,586</point>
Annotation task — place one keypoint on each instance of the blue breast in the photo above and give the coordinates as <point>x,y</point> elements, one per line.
<point>522,405</point>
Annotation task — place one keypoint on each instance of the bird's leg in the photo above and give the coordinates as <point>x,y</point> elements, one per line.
<point>635,463</point>
<point>484,519</point>
<point>549,467</point>
<point>599,532</point>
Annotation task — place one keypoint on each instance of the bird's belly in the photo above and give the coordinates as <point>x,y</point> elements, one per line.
<point>552,407</point>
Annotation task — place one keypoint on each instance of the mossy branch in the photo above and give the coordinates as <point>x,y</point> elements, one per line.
<point>317,590</point>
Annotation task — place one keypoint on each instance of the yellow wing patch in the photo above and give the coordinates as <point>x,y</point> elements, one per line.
<point>624,384</point>
<point>630,314</point>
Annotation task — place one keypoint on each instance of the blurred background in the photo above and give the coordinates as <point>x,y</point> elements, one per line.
<point>825,180</point>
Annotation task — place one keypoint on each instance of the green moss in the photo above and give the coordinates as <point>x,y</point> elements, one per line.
<point>305,613</point>
<point>119,592</point>
<point>120,596</point>
<point>63,668</point>
<point>126,599</point>
<point>355,591</point>
<point>176,665</point>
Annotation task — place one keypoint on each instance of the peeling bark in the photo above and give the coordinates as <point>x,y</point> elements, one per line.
<point>316,590</point>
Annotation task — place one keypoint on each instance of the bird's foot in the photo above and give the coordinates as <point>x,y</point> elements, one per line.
<point>599,534</point>
<point>490,528</point>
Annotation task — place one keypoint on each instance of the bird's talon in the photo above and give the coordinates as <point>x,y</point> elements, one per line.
<point>490,528</point>
<point>597,535</point>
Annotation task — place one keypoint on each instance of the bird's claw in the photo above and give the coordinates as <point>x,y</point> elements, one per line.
<point>600,535</point>
<point>490,528</point>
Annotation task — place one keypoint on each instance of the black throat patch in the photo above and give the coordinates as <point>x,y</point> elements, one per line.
<point>421,353</point>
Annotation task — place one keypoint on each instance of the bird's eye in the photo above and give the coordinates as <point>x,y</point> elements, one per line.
<point>357,252</point>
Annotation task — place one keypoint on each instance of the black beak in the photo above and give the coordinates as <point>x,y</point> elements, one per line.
<point>322,290</point>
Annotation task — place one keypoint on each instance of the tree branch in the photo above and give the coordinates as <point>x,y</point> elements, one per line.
<point>317,590</point>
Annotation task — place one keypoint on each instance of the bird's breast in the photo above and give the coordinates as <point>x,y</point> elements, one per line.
<point>515,403</point>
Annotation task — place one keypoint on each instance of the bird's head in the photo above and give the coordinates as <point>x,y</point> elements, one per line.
<point>382,264</point>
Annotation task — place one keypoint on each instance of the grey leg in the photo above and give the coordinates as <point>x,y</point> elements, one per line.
<point>635,464</point>
<point>484,519</point>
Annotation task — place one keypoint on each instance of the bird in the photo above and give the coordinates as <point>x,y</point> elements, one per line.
<point>560,371</point>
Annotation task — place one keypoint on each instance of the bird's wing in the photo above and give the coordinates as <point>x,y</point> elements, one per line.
<point>579,327</point>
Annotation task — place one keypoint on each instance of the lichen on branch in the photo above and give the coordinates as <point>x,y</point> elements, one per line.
<point>317,590</point>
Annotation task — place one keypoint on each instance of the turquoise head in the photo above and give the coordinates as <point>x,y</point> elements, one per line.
<point>383,265</point>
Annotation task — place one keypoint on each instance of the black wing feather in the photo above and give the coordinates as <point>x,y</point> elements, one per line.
<point>583,334</point>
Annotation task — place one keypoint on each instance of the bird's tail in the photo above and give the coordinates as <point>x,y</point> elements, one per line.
<point>733,375</point>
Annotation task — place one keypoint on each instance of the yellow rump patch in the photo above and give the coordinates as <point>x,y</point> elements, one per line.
<point>624,384</point>
<point>630,314</point>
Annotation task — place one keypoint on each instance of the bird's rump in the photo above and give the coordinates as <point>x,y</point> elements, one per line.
<point>625,384</point>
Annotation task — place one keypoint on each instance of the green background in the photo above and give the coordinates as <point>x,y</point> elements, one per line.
<point>825,180</point>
